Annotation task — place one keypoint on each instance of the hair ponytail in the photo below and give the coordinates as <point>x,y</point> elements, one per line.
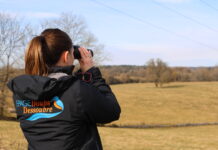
<point>34,59</point>
<point>44,51</point>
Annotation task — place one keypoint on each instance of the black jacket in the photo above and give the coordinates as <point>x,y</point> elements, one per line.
<point>60,111</point>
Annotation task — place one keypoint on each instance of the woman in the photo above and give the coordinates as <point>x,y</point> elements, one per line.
<point>58,110</point>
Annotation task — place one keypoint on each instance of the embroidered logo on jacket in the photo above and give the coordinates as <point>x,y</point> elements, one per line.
<point>41,109</point>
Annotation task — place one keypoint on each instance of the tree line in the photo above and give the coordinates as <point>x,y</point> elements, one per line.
<point>157,72</point>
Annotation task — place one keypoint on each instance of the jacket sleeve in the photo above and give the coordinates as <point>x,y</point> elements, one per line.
<point>98,100</point>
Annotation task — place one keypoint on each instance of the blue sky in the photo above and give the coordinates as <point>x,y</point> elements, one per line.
<point>129,37</point>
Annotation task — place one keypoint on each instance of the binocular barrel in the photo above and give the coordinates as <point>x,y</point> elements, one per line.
<point>76,52</point>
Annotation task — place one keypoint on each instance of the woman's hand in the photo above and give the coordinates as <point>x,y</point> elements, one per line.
<point>86,61</point>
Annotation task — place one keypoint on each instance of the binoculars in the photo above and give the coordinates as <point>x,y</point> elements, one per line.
<point>76,52</point>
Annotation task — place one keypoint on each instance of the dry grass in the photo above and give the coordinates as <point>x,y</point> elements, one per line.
<point>173,104</point>
<point>11,137</point>
<point>187,138</point>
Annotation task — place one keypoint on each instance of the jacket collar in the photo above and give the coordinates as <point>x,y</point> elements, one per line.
<point>64,69</point>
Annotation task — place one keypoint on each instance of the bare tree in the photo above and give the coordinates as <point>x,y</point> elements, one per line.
<point>12,39</point>
<point>76,27</point>
<point>158,72</point>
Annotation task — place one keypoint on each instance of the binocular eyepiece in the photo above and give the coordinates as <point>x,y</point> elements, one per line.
<point>76,52</point>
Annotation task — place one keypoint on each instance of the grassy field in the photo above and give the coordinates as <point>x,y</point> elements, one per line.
<point>173,104</point>
<point>186,138</point>
<point>144,104</point>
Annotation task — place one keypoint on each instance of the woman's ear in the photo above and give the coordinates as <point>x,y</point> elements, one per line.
<point>65,56</point>
<point>64,59</point>
<point>68,57</point>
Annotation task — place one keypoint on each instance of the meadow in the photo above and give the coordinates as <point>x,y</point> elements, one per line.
<point>142,103</point>
<point>175,103</point>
